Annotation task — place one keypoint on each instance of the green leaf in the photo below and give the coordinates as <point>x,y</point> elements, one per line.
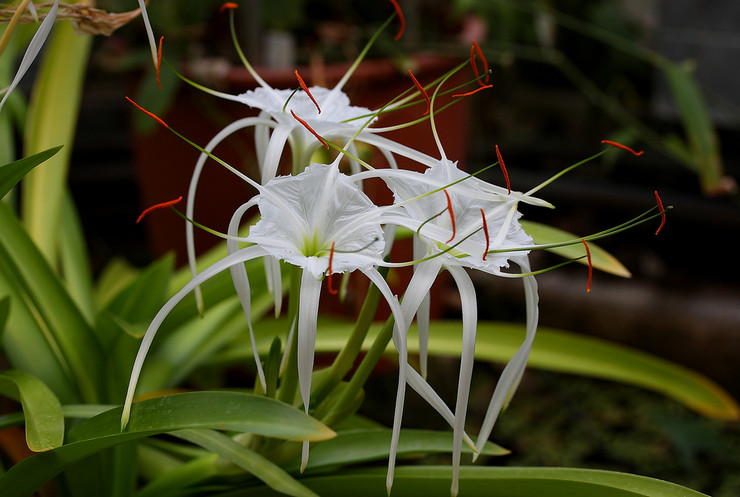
<point>45,327</point>
<point>215,410</point>
<point>600,259</point>
<point>359,446</point>
<point>432,481</point>
<point>11,174</point>
<point>41,409</point>
<point>553,350</point>
<point>698,126</point>
<point>264,469</point>
<point>4,312</point>
<point>52,120</point>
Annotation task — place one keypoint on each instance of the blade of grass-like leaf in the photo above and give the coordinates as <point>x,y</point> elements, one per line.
<point>75,261</point>
<point>215,410</point>
<point>553,350</point>
<point>273,475</point>
<point>51,121</point>
<point>697,123</point>
<point>63,327</point>
<point>432,481</point>
<point>358,446</point>
<point>11,174</point>
<point>41,409</point>
<point>4,311</point>
<point>601,259</point>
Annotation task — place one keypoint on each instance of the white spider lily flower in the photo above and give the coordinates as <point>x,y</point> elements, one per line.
<point>320,221</point>
<point>33,49</point>
<point>461,222</point>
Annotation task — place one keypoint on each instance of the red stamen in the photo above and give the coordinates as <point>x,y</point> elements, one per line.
<point>227,6</point>
<point>623,147</point>
<point>332,290</point>
<point>422,91</point>
<point>150,114</point>
<point>169,203</point>
<point>159,61</point>
<point>452,215</point>
<point>485,232</point>
<point>401,20</point>
<point>472,92</point>
<point>662,212</point>
<point>305,88</point>
<point>305,125</point>
<point>590,266</point>
<point>503,169</point>
<point>475,49</point>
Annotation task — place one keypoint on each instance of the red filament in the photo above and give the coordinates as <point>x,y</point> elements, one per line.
<point>475,50</point>
<point>162,205</point>
<point>309,128</point>
<point>422,91</point>
<point>401,20</point>
<point>305,88</point>
<point>662,212</point>
<point>590,266</point>
<point>472,92</point>
<point>623,147</point>
<point>227,6</point>
<point>503,169</point>
<point>150,114</point>
<point>159,61</point>
<point>452,215</point>
<point>485,232</point>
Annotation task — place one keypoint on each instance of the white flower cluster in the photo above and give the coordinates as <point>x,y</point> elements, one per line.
<point>319,220</point>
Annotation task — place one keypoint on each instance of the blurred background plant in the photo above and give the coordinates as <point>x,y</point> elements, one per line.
<point>567,76</point>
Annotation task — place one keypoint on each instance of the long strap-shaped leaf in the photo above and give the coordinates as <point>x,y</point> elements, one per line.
<point>213,410</point>
<point>11,174</point>
<point>33,284</point>
<point>433,481</point>
<point>553,350</point>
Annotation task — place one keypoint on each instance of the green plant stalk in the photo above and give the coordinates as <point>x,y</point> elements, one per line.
<point>347,356</point>
<point>52,119</point>
<point>358,380</point>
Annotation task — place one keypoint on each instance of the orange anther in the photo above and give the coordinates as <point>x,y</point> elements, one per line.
<point>485,232</point>
<point>623,147</point>
<point>150,114</point>
<point>332,290</point>
<point>162,205</point>
<point>475,50</point>
<point>422,91</point>
<point>401,20</point>
<point>590,266</point>
<point>305,88</point>
<point>452,215</point>
<point>662,212</point>
<point>159,61</point>
<point>503,169</point>
<point>309,128</point>
<point>472,92</point>
<point>227,6</point>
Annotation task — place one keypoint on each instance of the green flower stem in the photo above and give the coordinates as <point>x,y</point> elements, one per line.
<point>354,387</point>
<point>347,356</point>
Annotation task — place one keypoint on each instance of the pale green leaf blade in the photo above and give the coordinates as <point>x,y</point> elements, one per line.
<point>553,350</point>
<point>41,409</point>
<point>433,481</point>
<point>543,234</point>
<point>359,446</point>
